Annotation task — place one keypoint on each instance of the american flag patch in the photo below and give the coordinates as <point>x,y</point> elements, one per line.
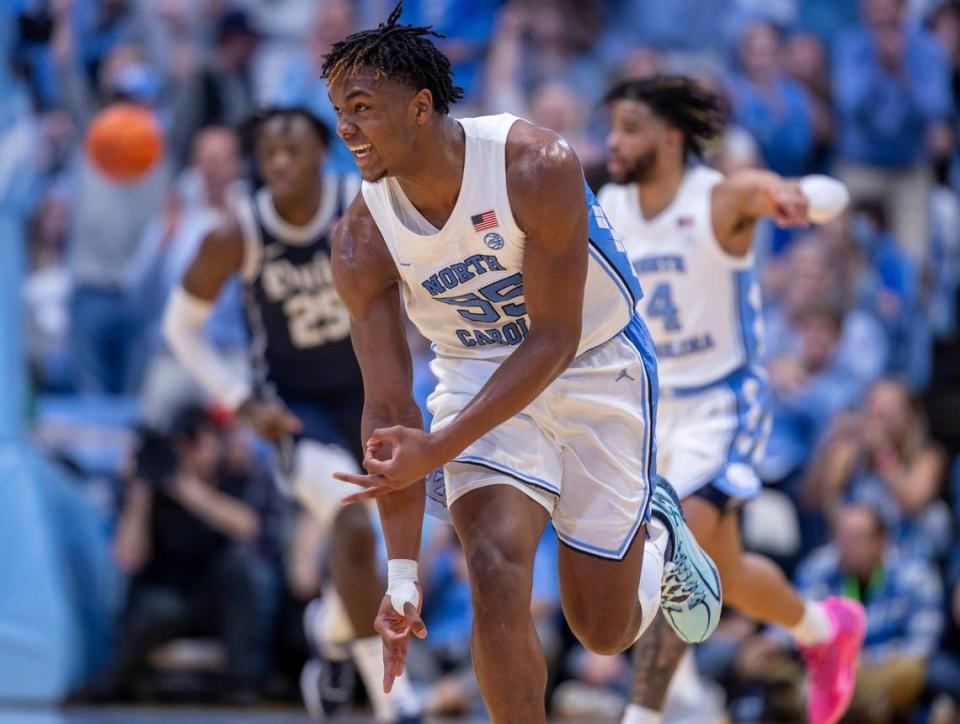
<point>685,221</point>
<point>484,221</point>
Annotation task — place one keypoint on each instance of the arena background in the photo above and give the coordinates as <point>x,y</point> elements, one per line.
<point>828,86</point>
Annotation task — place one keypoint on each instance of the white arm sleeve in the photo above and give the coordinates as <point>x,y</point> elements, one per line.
<point>183,322</point>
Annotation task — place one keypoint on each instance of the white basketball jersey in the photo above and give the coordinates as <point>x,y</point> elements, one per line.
<point>463,284</point>
<point>702,304</point>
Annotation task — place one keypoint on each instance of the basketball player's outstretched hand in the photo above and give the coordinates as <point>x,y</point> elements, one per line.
<point>790,204</point>
<point>395,630</point>
<point>395,458</point>
<point>270,420</point>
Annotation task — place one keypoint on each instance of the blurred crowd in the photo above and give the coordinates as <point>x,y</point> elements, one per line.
<point>862,494</point>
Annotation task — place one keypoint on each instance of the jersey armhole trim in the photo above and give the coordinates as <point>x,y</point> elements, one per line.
<point>510,222</point>
<point>252,243</point>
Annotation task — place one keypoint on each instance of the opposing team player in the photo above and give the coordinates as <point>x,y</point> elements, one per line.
<point>545,402</point>
<point>307,386</point>
<point>688,231</point>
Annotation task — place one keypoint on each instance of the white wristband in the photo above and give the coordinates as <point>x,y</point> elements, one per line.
<point>827,197</point>
<point>402,583</point>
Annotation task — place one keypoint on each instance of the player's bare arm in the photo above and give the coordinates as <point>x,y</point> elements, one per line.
<point>545,184</point>
<point>220,255</point>
<point>367,282</point>
<point>747,196</point>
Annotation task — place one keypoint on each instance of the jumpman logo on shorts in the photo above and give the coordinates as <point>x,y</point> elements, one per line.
<point>623,373</point>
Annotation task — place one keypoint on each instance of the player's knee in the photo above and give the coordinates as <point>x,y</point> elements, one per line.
<point>603,637</point>
<point>498,580</point>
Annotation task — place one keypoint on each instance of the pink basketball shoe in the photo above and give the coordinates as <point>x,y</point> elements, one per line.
<point>832,665</point>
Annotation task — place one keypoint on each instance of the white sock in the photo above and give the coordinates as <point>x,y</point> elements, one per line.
<point>651,573</point>
<point>401,701</point>
<point>636,714</point>
<point>814,626</point>
<point>325,621</point>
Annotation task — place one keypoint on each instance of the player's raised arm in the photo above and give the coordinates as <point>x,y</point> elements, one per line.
<point>746,196</point>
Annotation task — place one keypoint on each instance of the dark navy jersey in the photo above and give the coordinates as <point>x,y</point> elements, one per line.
<point>299,328</point>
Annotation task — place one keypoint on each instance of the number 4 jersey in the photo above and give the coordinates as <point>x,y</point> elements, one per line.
<point>300,330</point>
<point>463,284</point>
<point>702,305</point>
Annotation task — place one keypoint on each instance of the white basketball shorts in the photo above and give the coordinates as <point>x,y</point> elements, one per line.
<point>584,449</point>
<point>709,439</point>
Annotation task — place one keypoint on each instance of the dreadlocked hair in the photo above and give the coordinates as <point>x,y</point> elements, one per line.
<point>697,113</point>
<point>401,52</point>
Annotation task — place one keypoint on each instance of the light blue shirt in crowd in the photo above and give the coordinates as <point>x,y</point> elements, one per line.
<point>883,119</point>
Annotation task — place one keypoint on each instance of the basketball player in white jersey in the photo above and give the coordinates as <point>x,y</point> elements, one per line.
<point>484,229</point>
<point>688,232</point>
<point>307,390</point>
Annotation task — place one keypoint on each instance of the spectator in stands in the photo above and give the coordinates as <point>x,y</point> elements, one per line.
<point>204,191</point>
<point>809,387</point>
<point>220,91</point>
<point>302,84</point>
<point>880,280</point>
<point>892,91</point>
<point>885,457</point>
<point>468,27</point>
<point>945,25</point>
<point>189,541</point>
<point>805,60</point>
<point>538,42</point>
<point>554,105</point>
<point>943,671</point>
<point>107,220</point>
<point>827,19</point>
<point>101,26</point>
<point>790,284</point>
<point>680,26</point>
<point>903,599</point>
<point>639,63</point>
<point>46,295</point>
<point>772,106</point>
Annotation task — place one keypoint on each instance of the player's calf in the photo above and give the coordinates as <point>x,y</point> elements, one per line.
<point>354,569</point>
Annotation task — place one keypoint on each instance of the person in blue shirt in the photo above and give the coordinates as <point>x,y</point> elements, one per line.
<point>772,106</point>
<point>904,602</point>
<point>809,388</point>
<point>885,457</point>
<point>301,83</point>
<point>466,27</point>
<point>892,88</point>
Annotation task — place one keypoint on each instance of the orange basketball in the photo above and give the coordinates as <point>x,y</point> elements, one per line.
<point>125,141</point>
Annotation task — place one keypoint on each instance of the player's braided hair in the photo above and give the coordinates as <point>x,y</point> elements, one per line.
<point>401,52</point>
<point>697,113</point>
